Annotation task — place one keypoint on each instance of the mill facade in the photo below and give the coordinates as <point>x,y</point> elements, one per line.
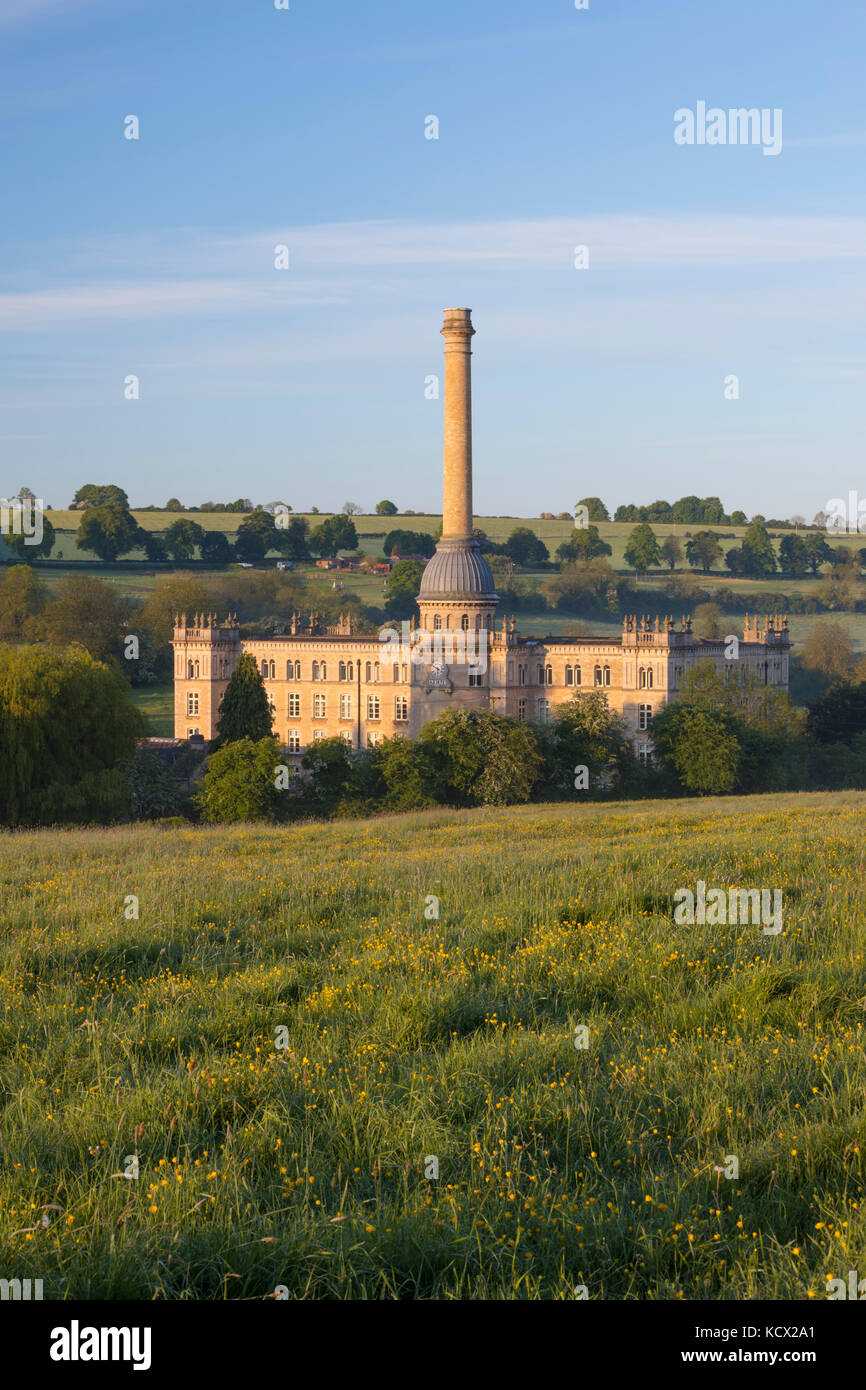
<point>325,681</point>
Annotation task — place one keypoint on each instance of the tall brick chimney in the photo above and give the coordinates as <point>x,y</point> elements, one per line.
<point>457,589</point>
<point>457,331</point>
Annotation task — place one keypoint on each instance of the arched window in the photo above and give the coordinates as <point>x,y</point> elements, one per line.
<point>264,668</point>
<point>549,675</point>
<point>350,670</point>
<point>541,675</point>
<point>464,622</point>
<point>324,675</point>
<point>597,675</point>
<point>342,670</point>
<point>376,671</point>
<point>315,670</point>
<point>479,621</point>
<point>437,622</point>
<point>395,673</point>
<point>569,675</point>
<point>577,675</point>
<point>405,672</point>
<point>367,671</point>
<point>607,675</point>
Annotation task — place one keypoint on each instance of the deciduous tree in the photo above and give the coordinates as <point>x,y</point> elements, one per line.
<point>181,539</point>
<point>240,783</point>
<point>88,612</point>
<point>642,549</point>
<point>108,531</point>
<point>66,721</point>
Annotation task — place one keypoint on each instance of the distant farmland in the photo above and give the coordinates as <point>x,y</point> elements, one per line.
<point>373,529</point>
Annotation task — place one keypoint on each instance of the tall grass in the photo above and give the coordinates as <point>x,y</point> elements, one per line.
<point>406,1038</point>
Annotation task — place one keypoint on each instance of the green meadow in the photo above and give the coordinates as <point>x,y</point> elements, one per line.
<point>156,703</point>
<point>233,1059</point>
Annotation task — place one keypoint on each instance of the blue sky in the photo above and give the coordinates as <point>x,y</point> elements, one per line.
<point>306,128</point>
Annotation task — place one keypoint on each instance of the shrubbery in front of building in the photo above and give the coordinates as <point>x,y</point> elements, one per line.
<point>242,783</point>
<point>154,793</point>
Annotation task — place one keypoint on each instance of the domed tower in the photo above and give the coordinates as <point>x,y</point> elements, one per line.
<point>457,589</point>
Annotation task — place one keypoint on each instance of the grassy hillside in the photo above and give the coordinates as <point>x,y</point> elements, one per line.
<point>156,703</point>
<point>406,1038</point>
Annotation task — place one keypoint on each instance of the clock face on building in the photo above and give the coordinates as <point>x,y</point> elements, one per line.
<point>438,678</point>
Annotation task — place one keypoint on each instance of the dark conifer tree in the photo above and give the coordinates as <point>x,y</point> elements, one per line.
<point>245,711</point>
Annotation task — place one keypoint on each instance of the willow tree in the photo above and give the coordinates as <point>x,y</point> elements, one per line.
<point>66,723</point>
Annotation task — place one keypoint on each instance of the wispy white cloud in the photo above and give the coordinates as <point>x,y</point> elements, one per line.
<point>850,137</point>
<point>26,11</point>
<point>40,308</point>
<point>617,240</point>
<point>729,437</point>
<point>387,265</point>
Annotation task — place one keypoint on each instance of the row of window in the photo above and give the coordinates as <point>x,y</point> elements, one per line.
<point>220,668</point>
<point>293,738</point>
<point>320,706</point>
<point>369,671</point>
<point>480,621</point>
<point>600,676</point>
<point>573,675</point>
<point>542,710</point>
<point>294,745</point>
<point>372,673</point>
<point>373,705</point>
<point>401,708</point>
